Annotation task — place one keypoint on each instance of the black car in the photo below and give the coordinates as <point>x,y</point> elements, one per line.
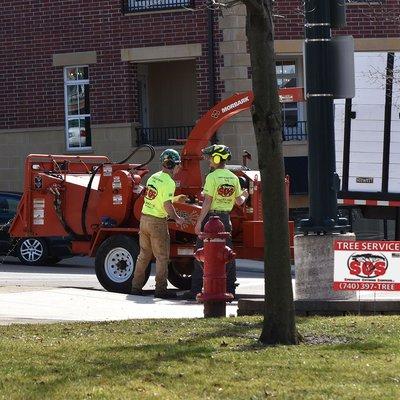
<point>33,250</point>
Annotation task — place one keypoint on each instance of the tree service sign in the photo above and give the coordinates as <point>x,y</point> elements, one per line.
<point>367,265</point>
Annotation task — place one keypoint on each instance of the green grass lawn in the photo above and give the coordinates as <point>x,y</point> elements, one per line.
<point>341,358</point>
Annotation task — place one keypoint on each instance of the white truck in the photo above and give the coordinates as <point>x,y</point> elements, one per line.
<point>367,135</point>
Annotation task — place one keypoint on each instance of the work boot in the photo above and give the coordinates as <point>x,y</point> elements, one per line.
<point>137,292</point>
<point>165,295</point>
<point>187,296</point>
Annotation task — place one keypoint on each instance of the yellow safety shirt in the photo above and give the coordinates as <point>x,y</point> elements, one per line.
<point>160,188</point>
<point>223,186</point>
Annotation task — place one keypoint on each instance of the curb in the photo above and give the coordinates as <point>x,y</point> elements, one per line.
<point>326,307</point>
<point>254,266</point>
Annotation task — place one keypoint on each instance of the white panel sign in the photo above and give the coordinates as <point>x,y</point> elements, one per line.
<point>367,265</point>
<point>366,145</point>
<point>38,211</point>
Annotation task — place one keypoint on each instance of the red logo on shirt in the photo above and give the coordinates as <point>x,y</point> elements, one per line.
<point>226,190</point>
<point>151,192</point>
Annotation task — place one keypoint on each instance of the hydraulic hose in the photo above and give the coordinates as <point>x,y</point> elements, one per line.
<point>152,155</point>
<point>60,216</point>
<point>94,172</point>
<point>86,199</point>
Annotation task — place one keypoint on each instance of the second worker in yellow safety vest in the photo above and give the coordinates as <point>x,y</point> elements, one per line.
<point>153,232</point>
<point>221,192</point>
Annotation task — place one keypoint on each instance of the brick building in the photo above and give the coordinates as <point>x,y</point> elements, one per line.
<point>82,76</point>
<point>100,77</point>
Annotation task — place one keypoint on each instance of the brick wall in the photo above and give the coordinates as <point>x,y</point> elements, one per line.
<point>363,20</point>
<point>32,31</point>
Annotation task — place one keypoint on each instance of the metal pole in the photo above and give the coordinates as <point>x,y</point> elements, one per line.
<point>211,65</point>
<point>397,226</point>
<point>385,229</point>
<point>323,181</point>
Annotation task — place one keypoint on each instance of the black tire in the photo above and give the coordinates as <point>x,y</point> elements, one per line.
<point>180,273</point>
<point>32,251</point>
<point>115,263</point>
<point>52,260</point>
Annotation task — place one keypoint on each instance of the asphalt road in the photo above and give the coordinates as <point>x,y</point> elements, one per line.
<point>78,272</point>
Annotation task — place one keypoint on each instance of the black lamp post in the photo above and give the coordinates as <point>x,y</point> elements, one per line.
<point>320,16</point>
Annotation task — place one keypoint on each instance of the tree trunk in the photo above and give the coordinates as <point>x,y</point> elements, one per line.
<point>279,323</point>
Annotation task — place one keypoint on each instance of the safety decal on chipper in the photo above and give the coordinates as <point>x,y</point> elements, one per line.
<point>189,217</point>
<point>116,183</point>
<point>117,199</point>
<point>235,104</point>
<point>185,251</point>
<point>38,211</point>
<point>216,112</point>
<point>107,170</point>
<point>38,182</point>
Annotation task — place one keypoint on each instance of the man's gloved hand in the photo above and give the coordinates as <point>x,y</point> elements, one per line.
<point>181,198</point>
<point>180,221</point>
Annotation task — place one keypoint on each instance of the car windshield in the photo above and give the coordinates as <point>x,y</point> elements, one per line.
<point>8,206</point>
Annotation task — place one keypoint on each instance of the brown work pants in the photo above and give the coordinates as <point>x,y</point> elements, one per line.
<point>153,240</point>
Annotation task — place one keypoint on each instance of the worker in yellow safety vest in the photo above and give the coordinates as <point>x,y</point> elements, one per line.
<point>221,192</point>
<point>153,232</point>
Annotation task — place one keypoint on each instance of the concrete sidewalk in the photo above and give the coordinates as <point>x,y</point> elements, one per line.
<point>70,292</point>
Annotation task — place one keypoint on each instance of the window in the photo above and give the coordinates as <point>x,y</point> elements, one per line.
<point>287,72</point>
<point>151,5</point>
<point>365,2</point>
<point>77,108</point>
<point>286,76</point>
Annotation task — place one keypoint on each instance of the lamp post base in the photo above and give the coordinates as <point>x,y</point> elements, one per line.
<point>328,226</point>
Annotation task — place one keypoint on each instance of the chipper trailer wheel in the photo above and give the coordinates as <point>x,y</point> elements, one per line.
<point>115,263</point>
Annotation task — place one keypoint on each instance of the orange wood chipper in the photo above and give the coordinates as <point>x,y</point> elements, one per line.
<point>97,204</point>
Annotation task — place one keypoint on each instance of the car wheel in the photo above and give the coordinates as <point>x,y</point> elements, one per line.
<point>32,251</point>
<point>115,263</point>
<point>180,272</point>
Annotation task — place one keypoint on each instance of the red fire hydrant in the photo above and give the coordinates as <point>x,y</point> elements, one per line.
<point>215,255</point>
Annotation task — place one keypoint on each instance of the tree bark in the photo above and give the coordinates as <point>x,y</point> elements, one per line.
<point>279,321</point>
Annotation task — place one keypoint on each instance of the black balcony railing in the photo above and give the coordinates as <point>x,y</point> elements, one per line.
<point>295,132</point>
<point>129,6</point>
<point>162,136</point>
<point>176,134</point>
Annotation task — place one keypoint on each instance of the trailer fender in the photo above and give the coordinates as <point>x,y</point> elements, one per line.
<point>105,233</point>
